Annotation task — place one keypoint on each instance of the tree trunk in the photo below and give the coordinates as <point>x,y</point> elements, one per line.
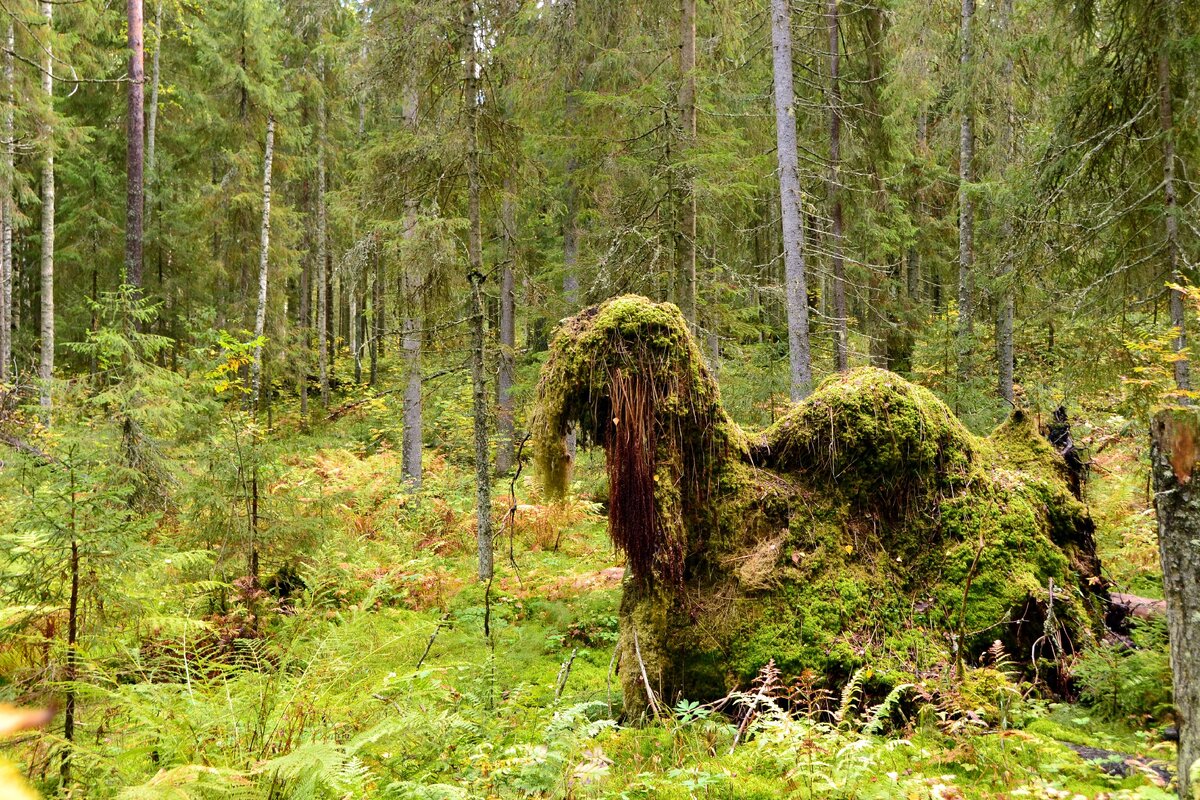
<point>966,219</point>
<point>571,227</point>
<point>483,494</point>
<point>304,314</point>
<point>1166,116</point>
<point>841,321</point>
<point>685,236</point>
<point>322,245</point>
<point>46,365</point>
<point>8,210</point>
<point>1175,447</point>
<point>70,673</point>
<point>796,282</point>
<point>410,466</point>
<point>152,118</point>
<point>375,318</point>
<point>1008,148</point>
<point>260,314</point>
<point>505,452</point>
<point>135,144</point>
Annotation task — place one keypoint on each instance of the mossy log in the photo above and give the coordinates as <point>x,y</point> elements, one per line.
<point>868,526</point>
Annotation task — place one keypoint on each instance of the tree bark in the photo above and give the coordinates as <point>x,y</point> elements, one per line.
<point>1166,116</point>
<point>506,451</point>
<point>135,146</point>
<point>483,492</point>
<point>685,236</point>
<point>260,314</point>
<point>1008,148</point>
<point>46,364</point>
<point>966,219</point>
<point>1175,447</point>
<point>841,322</point>
<point>322,246</point>
<point>795,280</point>
<point>411,447</point>
<point>152,117</point>
<point>7,209</point>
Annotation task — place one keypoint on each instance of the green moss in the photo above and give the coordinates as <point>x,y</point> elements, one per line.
<point>867,527</point>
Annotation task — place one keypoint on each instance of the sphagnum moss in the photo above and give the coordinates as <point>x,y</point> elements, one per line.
<point>867,526</point>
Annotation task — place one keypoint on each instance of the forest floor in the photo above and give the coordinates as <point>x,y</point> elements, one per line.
<point>376,679</point>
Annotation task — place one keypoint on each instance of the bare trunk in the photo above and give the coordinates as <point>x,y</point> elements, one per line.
<point>1004,305</point>
<point>505,452</point>
<point>7,211</point>
<point>571,231</point>
<point>260,314</point>
<point>966,218</point>
<point>1166,115</point>
<point>135,146</point>
<point>304,314</point>
<point>483,494</point>
<point>411,343</point>
<point>322,267</point>
<point>841,321</point>
<point>1175,446</point>
<point>796,283</point>
<point>70,673</point>
<point>685,236</point>
<point>46,365</point>
<point>152,118</point>
<point>375,318</point>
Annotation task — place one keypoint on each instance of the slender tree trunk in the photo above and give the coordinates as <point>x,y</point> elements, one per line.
<point>1008,147</point>
<point>304,313</point>
<point>411,342</point>
<point>1175,447</point>
<point>841,320</point>
<point>70,673</point>
<point>7,210</point>
<point>795,280</point>
<point>685,236</point>
<point>375,328</point>
<point>46,365</point>
<point>1166,116</point>
<point>571,225</point>
<point>260,314</point>
<point>966,214</point>
<point>352,317</point>
<point>135,146</point>
<point>322,245</point>
<point>152,118</point>
<point>483,493</point>
<point>505,452</point>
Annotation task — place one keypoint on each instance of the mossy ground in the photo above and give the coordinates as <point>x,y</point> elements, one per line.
<point>336,707</point>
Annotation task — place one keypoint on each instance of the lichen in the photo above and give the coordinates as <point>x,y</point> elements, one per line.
<point>867,526</point>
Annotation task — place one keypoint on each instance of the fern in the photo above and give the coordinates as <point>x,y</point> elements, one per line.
<point>884,711</point>
<point>851,695</point>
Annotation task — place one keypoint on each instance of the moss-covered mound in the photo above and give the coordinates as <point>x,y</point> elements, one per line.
<point>866,527</point>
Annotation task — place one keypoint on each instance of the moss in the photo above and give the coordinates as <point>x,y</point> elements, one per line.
<point>867,527</point>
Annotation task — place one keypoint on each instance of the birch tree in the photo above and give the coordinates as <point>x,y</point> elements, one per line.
<point>260,313</point>
<point>46,362</point>
<point>135,144</point>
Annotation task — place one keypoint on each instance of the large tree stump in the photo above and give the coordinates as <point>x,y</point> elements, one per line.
<point>1175,447</point>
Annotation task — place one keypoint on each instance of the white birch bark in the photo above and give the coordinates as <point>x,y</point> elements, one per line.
<point>260,313</point>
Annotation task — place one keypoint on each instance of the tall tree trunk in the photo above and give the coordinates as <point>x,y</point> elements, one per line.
<point>571,224</point>
<point>1008,149</point>
<point>841,320</point>
<point>46,365</point>
<point>505,452</point>
<point>71,671</point>
<point>483,493</point>
<point>8,210</point>
<point>322,246</point>
<point>795,280</point>
<point>685,236</point>
<point>152,118</point>
<point>1175,447</point>
<point>375,318</point>
<point>966,214</point>
<point>410,465</point>
<point>135,146</point>
<point>260,313</point>
<point>1166,117</point>
<point>352,317</point>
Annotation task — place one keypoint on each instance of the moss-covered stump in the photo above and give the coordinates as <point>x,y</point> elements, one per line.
<point>867,527</point>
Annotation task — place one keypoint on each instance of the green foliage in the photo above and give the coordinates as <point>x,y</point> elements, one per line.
<point>1129,683</point>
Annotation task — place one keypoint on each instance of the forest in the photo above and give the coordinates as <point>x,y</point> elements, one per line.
<point>734,399</point>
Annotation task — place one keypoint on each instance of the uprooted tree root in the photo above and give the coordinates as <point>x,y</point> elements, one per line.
<point>867,526</point>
